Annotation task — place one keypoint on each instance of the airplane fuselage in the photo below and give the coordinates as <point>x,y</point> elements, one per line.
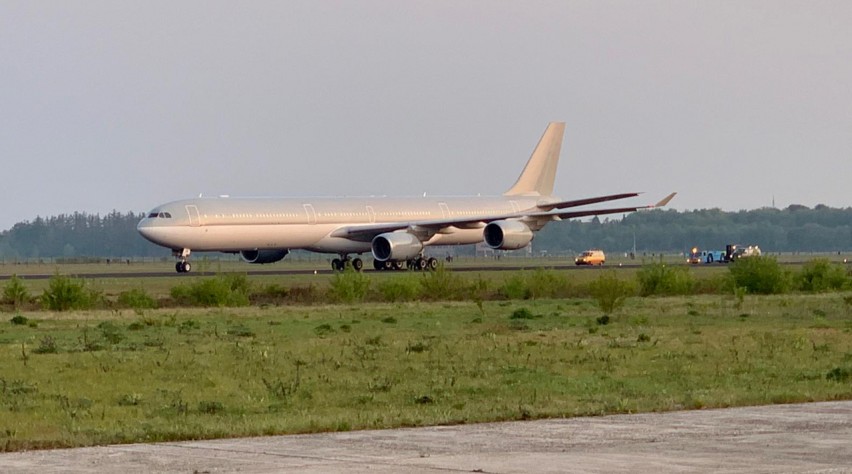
<point>228,224</point>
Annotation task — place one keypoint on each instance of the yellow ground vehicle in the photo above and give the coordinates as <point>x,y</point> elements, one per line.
<point>591,257</point>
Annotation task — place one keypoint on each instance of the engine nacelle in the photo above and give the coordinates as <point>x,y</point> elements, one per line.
<point>263,256</point>
<point>396,246</point>
<point>507,235</point>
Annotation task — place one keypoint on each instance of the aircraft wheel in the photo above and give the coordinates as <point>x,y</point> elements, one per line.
<point>179,267</point>
<point>397,265</point>
<point>377,265</point>
<point>337,265</point>
<point>422,264</point>
<point>387,265</point>
<point>357,264</point>
<point>187,267</point>
<point>432,263</point>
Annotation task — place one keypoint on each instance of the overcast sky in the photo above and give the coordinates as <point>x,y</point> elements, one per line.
<point>126,105</point>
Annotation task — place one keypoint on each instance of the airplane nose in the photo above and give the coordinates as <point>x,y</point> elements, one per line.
<point>144,228</point>
<point>150,232</point>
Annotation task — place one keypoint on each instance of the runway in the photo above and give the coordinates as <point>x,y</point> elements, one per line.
<point>812,437</point>
<point>303,271</point>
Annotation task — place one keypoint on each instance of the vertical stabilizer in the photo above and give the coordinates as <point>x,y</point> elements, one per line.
<point>540,171</point>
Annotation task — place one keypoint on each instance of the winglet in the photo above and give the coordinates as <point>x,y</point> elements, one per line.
<point>665,200</point>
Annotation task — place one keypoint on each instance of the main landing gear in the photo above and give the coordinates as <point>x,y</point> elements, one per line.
<point>340,264</point>
<point>183,266</point>
<point>421,263</point>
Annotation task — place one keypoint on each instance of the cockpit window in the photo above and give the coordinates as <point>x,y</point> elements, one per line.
<point>152,215</point>
<point>161,215</point>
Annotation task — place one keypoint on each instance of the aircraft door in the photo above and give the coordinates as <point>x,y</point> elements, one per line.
<point>312,215</point>
<point>372,214</point>
<point>445,210</point>
<point>194,218</point>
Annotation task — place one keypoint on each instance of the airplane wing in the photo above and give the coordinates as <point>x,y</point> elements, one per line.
<point>426,228</point>
<point>546,205</point>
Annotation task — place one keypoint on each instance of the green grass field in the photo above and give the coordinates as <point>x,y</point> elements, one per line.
<point>114,376</point>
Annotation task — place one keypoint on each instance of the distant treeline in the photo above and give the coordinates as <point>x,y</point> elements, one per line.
<point>794,229</point>
<point>79,234</point>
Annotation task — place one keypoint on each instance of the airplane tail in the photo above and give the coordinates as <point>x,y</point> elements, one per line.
<point>540,171</point>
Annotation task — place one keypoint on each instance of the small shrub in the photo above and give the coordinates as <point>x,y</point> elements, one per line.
<point>323,330</point>
<point>820,275</point>
<point>546,284</point>
<point>516,288</point>
<point>643,338</point>
<point>15,293</point>
<point>403,288</point>
<point>110,332</point>
<point>761,275</point>
<point>136,326</point>
<point>610,292</point>
<point>661,279</point>
<point>349,286</point>
<point>603,320</point>
<point>188,325</point>
<point>838,374</point>
<point>64,293</point>
<point>442,284</point>
<point>47,345</point>
<point>389,320</point>
<point>19,320</point>
<point>136,298</point>
<point>522,313</point>
<point>223,290</point>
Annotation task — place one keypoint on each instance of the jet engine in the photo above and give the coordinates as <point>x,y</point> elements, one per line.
<point>263,256</point>
<point>507,235</point>
<point>396,246</point>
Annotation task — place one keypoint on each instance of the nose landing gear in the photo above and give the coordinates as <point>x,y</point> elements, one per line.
<point>183,266</point>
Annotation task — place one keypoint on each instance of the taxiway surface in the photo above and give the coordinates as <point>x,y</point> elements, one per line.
<point>803,438</point>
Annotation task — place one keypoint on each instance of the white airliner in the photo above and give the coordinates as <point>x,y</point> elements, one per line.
<point>395,230</point>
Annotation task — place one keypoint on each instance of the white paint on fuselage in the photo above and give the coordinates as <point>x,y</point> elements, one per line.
<point>235,224</point>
